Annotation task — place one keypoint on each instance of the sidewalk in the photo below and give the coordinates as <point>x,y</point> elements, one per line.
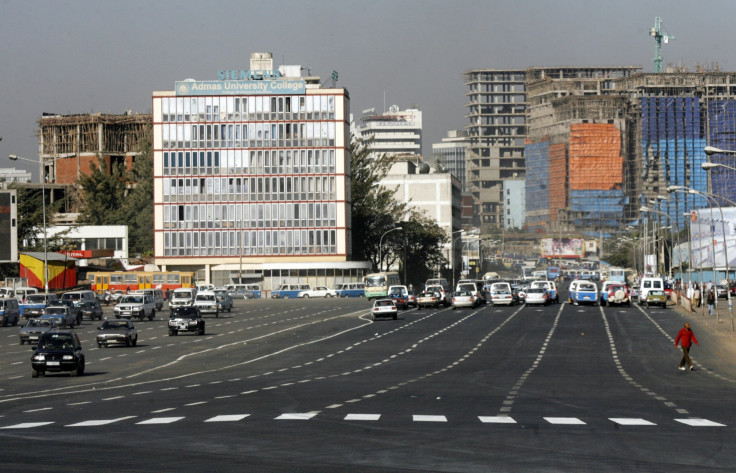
<point>712,330</point>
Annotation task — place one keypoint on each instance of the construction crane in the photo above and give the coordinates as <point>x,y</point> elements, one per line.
<point>660,36</point>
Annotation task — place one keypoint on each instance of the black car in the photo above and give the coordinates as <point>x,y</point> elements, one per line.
<point>91,310</point>
<point>76,311</point>
<point>58,350</point>
<point>186,319</point>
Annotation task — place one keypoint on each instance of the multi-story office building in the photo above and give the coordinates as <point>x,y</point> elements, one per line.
<point>450,154</point>
<point>251,178</point>
<point>14,175</point>
<point>395,132</point>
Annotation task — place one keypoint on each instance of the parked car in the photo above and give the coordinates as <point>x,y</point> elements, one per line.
<point>537,295</point>
<point>116,331</point>
<point>384,308</point>
<point>58,350</point>
<point>61,314</point>
<point>722,291</point>
<point>91,310</point>
<point>242,294</point>
<point>463,299</point>
<point>186,319</point>
<point>319,291</point>
<point>656,297</point>
<point>116,295</point>
<point>224,301</point>
<point>33,328</point>
<point>9,312</point>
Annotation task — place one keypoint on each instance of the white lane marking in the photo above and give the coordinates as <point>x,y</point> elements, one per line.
<point>160,420</point>
<point>95,423</point>
<point>630,421</point>
<point>700,423</point>
<point>113,398</point>
<point>27,425</point>
<point>426,418</point>
<point>195,403</point>
<point>79,403</point>
<point>497,420</point>
<point>363,417</point>
<point>297,416</point>
<point>38,410</point>
<point>564,420</point>
<point>163,410</point>
<point>228,418</point>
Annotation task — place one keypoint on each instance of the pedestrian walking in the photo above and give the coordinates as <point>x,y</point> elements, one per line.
<point>711,300</point>
<point>696,296</point>
<point>685,338</point>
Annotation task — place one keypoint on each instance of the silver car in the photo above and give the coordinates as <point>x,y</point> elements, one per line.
<point>117,331</point>
<point>463,299</point>
<point>33,329</point>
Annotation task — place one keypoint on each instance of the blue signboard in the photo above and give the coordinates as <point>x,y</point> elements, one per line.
<point>241,87</point>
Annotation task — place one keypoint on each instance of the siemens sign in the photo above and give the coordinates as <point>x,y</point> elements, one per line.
<point>241,87</point>
<point>247,75</point>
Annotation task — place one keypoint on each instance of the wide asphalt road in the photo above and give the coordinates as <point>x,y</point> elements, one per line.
<point>316,385</point>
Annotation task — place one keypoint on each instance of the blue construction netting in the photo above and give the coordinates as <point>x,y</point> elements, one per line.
<point>601,208</point>
<point>536,157</point>
<point>722,133</point>
<point>673,138</point>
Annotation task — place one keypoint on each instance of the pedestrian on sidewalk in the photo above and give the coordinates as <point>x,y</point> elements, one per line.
<point>685,338</point>
<point>696,296</point>
<point>711,301</point>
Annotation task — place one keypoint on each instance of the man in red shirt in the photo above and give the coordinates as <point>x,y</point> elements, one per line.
<point>686,337</point>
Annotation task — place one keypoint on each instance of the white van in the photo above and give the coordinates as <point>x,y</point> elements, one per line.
<point>501,294</point>
<point>21,293</point>
<point>79,297</point>
<point>648,284</point>
<point>157,294</point>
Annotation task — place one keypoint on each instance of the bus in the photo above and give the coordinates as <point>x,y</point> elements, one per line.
<point>135,280</point>
<point>377,284</point>
<point>553,272</point>
<point>617,275</point>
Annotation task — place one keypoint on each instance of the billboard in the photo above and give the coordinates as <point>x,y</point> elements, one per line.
<point>712,238</point>
<point>8,226</point>
<point>562,247</point>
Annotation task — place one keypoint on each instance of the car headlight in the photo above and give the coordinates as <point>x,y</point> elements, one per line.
<point>67,357</point>
<point>39,358</point>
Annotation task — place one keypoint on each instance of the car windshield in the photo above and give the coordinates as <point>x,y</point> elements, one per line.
<point>182,295</point>
<point>114,324</point>
<point>185,313</point>
<point>206,297</point>
<point>70,297</point>
<point>55,310</point>
<point>462,294</point>
<point>132,300</point>
<point>36,299</point>
<point>38,323</point>
<point>56,341</point>
<point>384,303</point>
<point>586,287</point>
<point>535,290</point>
<point>375,281</point>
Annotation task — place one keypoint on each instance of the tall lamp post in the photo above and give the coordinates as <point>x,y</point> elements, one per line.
<point>14,157</point>
<point>380,247</point>
<point>644,208</point>
<point>452,253</point>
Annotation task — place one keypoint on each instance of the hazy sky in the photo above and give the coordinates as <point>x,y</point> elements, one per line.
<point>70,57</point>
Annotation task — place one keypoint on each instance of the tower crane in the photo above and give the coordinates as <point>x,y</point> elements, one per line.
<point>660,36</point>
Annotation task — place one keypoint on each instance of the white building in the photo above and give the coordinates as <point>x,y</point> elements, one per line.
<point>436,194</point>
<point>87,241</point>
<point>251,178</point>
<point>450,154</point>
<point>395,132</point>
<point>8,175</point>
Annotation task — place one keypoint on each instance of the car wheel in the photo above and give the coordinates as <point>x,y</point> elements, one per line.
<point>152,316</point>
<point>396,316</point>
<point>134,342</point>
<point>99,345</point>
<point>229,309</point>
<point>172,332</point>
<point>201,331</point>
<point>286,297</point>
<point>127,342</point>
<point>454,308</point>
<point>373,317</point>
<point>22,342</point>
<point>217,314</point>
<point>35,373</point>
<point>80,370</point>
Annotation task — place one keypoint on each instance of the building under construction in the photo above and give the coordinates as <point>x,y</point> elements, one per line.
<point>69,145</point>
<point>598,148</point>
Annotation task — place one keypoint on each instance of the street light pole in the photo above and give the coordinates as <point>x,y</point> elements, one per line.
<point>380,247</point>
<point>14,157</point>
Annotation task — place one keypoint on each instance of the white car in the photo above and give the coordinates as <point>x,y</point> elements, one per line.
<point>537,295</point>
<point>319,291</point>
<point>463,299</point>
<point>135,305</point>
<point>384,308</point>
<point>206,302</point>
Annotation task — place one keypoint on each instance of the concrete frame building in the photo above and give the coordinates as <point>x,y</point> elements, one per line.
<point>251,178</point>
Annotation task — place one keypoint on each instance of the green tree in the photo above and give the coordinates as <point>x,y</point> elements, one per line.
<point>137,209</point>
<point>103,192</point>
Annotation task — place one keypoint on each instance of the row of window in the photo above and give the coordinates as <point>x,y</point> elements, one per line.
<point>262,107</point>
<point>94,243</point>
<point>250,243</point>
<point>263,215</point>
<point>296,161</point>
<point>249,135</point>
<point>253,189</point>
